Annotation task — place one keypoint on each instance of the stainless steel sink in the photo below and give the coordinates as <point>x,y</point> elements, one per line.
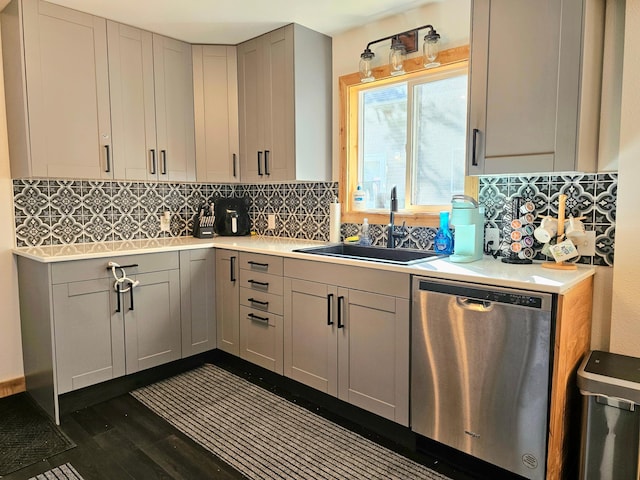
<point>400,256</point>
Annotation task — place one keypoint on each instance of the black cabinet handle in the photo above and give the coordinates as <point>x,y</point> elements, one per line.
<point>258,264</point>
<point>153,161</point>
<point>234,166</point>
<point>340,304</point>
<point>232,266</point>
<point>118,306</point>
<point>259,302</point>
<point>474,159</point>
<point>163,157</point>
<point>266,163</point>
<point>256,282</point>
<point>260,163</point>
<point>108,153</point>
<point>257,317</point>
<point>131,296</point>
<point>131,265</point>
<point>329,305</point>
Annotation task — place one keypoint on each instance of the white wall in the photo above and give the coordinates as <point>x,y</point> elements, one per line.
<point>625,321</point>
<point>10,341</point>
<point>450,18</point>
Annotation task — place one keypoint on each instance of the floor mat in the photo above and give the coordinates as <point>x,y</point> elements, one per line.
<point>27,435</point>
<point>63,472</point>
<point>264,436</point>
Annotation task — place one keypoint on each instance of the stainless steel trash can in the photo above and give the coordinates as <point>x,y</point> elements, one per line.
<point>610,385</point>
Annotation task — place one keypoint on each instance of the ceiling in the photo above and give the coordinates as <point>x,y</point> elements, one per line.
<point>234,21</point>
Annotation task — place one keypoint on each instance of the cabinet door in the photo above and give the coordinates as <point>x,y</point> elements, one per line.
<point>152,320</point>
<point>524,94</point>
<point>278,98</point>
<point>310,329</point>
<point>373,353</point>
<point>251,109</point>
<point>197,312</point>
<point>68,92</point>
<point>89,334</point>
<point>215,92</point>
<point>133,115</point>
<point>174,109</point>
<point>228,301</point>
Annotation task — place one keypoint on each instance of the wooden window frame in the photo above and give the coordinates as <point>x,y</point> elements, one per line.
<point>348,123</point>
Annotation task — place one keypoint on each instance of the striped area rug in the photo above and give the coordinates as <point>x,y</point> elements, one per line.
<point>264,436</point>
<point>63,472</point>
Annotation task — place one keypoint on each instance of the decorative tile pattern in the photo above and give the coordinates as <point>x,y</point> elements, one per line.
<point>56,212</point>
<point>590,195</point>
<point>63,211</point>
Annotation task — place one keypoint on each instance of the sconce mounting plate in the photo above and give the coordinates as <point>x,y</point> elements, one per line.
<point>410,40</point>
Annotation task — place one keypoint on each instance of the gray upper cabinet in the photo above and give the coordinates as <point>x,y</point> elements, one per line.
<point>173,81</point>
<point>57,91</point>
<point>151,105</point>
<point>535,86</point>
<point>284,89</point>
<point>215,92</point>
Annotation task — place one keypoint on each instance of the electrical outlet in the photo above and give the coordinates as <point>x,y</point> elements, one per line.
<point>491,239</point>
<point>271,221</point>
<point>587,247</point>
<point>165,222</point>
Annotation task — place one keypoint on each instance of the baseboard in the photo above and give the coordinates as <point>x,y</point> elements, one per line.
<point>11,387</point>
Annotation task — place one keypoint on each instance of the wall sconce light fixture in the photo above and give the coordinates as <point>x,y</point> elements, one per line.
<point>401,44</point>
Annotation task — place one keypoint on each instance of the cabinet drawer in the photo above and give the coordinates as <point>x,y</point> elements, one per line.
<point>94,268</point>
<point>261,339</point>
<point>261,263</point>
<point>263,302</point>
<point>262,282</point>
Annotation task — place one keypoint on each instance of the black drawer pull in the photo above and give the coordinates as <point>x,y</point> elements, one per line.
<point>340,306</point>
<point>118,307</point>
<point>131,296</point>
<point>256,282</point>
<point>133,265</point>
<point>258,264</point>
<point>474,158</point>
<point>260,163</point>
<point>259,302</point>
<point>257,317</point>
<point>108,150</point>
<point>232,267</point>
<point>329,305</point>
<point>153,161</point>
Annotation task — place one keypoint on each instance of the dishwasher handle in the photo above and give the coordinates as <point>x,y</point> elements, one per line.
<point>474,304</point>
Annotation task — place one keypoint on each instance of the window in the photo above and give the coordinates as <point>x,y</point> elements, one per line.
<point>409,132</point>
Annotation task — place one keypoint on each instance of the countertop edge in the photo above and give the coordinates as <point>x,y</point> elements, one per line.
<point>487,271</point>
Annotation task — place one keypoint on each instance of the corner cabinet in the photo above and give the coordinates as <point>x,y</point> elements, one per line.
<point>197,301</point>
<point>151,105</point>
<point>215,95</point>
<point>284,89</point>
<point>346,333</point>
<point>535,86</point>
<point>57,91</point>
<point>228,301</point>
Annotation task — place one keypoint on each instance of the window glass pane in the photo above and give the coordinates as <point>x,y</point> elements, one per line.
<point>383,137</point>
<point>439,124</point>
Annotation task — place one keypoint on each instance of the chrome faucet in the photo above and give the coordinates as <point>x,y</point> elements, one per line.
<point>392,234</point>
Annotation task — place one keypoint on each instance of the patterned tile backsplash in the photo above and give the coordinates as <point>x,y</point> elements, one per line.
<point>50,212</point>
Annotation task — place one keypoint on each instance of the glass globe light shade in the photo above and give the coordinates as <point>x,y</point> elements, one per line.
<point>366,59</point>
<point>397,56</point>
<point>430,49</point>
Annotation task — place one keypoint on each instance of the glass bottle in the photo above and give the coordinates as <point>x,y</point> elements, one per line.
<point>443,241</point>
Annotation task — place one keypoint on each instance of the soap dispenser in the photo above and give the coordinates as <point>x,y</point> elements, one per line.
<point>365,239</point>
<point>443,241</point>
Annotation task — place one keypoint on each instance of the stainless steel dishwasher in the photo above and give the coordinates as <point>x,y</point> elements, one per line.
<point>480,364</point>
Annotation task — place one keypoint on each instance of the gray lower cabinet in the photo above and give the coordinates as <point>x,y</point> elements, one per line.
<point>197,284</point>
<point>346,333</point>
<point>261,308</point>
<point>78,331</point>
<point>228,301</point>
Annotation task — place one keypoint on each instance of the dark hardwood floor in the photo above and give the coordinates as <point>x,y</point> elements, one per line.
<point>121,439</point>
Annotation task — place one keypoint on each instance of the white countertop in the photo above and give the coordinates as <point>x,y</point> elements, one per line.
<point>488,271</point>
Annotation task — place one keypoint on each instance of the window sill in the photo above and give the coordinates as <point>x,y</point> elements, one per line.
<point>412,219</point>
